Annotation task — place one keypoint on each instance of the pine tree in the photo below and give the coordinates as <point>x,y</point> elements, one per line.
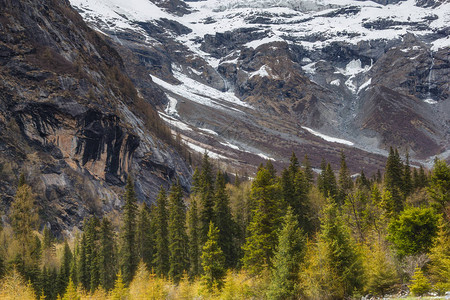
<point>213,260</point>
<point>262,230</point>
<point>439,189</point>
<point>177,233</point>
<point>345,181</point>
<point>309,174</point>
<point>145,236</point>
<point>206,198</point>
<point>161,260</point>
<point>407,178</point>
<point>194,242</point>
<point>393,179</point>
<point>128,251</point>
<point>107,255</point>
<point>288,257</point>
<point>64,273</point>
<point>342,258</point>
<point>224,222</point>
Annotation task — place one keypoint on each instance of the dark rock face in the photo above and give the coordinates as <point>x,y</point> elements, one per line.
<point>71,120</point>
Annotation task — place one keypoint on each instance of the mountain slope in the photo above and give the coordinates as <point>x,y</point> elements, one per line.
<point>290,65</point>
<point>70,118</point>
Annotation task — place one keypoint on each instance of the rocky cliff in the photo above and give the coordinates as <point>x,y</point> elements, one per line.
<point>71,120</point>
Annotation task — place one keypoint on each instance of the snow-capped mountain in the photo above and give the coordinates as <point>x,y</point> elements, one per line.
<point>257,79</point>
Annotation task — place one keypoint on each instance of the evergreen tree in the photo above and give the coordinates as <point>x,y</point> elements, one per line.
<point>91,252</point>
<point>321,177</point>
<point>439,189</point>
<point>262,230</point>
<point>328,185</point>
<point>288,257</point>
<point>420,284</point>
<point>342,257</point>
<point>224,222</point>
<point>71,292</point>
<point>206,198</point>
<point>145,236</point>
<point>74,266</point>
<point>301,206</point>
<point>177,233</point>
<point>309,174</point>
<point>128,251</point>
<point>439,267</point>
<point>194,242</point>
<point>294,165</point>
<point>407,178</point>
<point>120,292</point>
<point>345,181</point>
<point>393,179</point>
<point>107,255</point>
<point>213,260</point>
<point>84,275</point>
<point>64,273</point>
<point>161,260</point>
<point>196,187</point>
<point>271,169</point>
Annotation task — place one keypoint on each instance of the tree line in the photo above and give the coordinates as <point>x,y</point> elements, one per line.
<point>287,236</point>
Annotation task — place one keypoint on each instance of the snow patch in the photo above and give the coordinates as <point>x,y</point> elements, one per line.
<point>262,72</point>
<point>171,108</point>
<point>200,149</point>
<point>208,131</point>
<point>336,82</point>
<point>328,138</point>
<point>175,123</point>
<point>256,43</point>
<point>309,68</point>
<point>364,85</point>
<point>229,145</point>
<point>430,101</point>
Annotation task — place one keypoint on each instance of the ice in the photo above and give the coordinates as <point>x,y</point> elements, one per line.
<point>256,43</point>
<point>328,138</point>
<point>264,156</point>
<point>309,68</point>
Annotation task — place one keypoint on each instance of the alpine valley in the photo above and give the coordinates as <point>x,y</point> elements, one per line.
<point>246,81</point>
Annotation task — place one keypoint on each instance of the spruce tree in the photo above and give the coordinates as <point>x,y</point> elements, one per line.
<point>92,244</point>
<point>206,198</point>
<point>161,260</point>
<point>420,284</point>
<point>145,236</point>
<point>64,273</point>
<point>107,255</point>
<point>177,233</point>
<point>194,239</point>
<point>213,260</point>
<point>288,257</point>
<point>224,222</point>
<point>265,221</point>
<point>345,181</point>
<point>84,275</point>
<point>439,267</point>
<point>308,171</point>
<point>128,251</point>
<point>407,178</point>
<point>301,207</point>
<point>393,179</point>
<point>342,257</point>
<point>439,188</point>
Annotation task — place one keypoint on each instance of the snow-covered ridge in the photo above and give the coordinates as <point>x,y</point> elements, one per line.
<point>287,18</point>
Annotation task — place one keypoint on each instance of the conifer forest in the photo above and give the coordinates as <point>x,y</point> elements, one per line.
<point>294,234</point>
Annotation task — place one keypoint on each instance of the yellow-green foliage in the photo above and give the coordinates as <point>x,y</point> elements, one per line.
<point>147,286</point>
<point>439,268</point>
<point>120,292</point>
<point>13,287</point>
<point>379,269</point>
<point>420,284</point>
